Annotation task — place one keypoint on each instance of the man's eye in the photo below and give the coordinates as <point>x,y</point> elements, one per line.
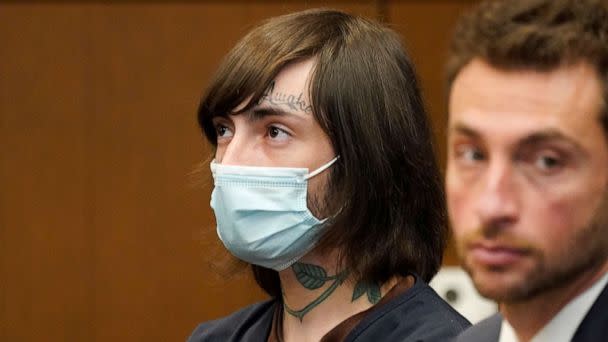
<point>223,131</point>
<point>469,154</point>
<point>473,155</point>
<point>277,133</point>
<point>548,162</point>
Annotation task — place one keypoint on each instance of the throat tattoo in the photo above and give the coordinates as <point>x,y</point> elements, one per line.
<point>313,277</point>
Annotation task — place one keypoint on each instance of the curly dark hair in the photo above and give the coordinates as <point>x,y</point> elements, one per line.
<point>536,35</point>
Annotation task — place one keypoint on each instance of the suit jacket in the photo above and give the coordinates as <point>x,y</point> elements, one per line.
<point>593,328</point>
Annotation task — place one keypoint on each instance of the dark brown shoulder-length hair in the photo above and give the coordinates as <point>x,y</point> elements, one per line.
<point>534,35</point>
<point>365,96</point>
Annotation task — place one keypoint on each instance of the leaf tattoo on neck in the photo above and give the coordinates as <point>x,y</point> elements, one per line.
<point>313,277</point>
<point>372,290</point>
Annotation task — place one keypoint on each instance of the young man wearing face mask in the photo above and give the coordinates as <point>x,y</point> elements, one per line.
<point>527,177</point>
<point>326,183</point>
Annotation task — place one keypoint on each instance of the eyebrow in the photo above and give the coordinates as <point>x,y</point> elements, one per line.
<point>465,130</point>
<point>538,137</point>
<point>549,135</point>
<point>258,113</point>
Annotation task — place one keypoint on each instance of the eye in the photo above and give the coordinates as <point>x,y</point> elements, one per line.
<point>548,162</point>
<point>469,154</point>
<point>277,134</point>
<point>223,131</point>
<point>472,154</point>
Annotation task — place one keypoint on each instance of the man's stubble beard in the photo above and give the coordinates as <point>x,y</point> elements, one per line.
<point>319,203</point>
<point>586,252</point>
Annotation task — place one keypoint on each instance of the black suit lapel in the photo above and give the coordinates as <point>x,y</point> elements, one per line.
<point>594,326</point>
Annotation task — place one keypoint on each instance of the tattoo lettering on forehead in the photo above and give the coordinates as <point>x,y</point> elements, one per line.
<point>291,101</point>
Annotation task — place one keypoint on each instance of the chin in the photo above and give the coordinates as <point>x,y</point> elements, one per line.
<point>500,285</point>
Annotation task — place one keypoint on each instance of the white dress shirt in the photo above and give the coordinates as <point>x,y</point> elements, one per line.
<point>563,325</point>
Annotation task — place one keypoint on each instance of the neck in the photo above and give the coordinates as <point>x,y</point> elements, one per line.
<point>529,316</point>
<point>318,295</point>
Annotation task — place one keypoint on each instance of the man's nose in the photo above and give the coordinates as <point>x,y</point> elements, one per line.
<point>497,202</point>
<point>238,151</point>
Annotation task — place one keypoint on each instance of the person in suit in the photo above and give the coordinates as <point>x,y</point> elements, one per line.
<point>326,183</point>
<point>527,168</point>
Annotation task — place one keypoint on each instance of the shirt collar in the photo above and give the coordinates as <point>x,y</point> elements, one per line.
<point>507,334</point>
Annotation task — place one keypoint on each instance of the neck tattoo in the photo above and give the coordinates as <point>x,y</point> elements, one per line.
<point>313,277</point>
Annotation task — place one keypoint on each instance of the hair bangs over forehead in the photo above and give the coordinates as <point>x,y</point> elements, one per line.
<point>250,67</point>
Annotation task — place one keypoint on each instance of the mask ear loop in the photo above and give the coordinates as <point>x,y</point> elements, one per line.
<point>321,169</point>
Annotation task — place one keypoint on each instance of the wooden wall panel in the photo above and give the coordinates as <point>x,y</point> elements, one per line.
<point>45,248</point>
<point>426,27</point>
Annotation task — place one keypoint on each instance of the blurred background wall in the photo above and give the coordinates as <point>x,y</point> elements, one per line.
<point>105,235</point>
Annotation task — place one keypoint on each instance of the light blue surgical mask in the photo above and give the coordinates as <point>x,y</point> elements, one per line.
<point>261,213</point>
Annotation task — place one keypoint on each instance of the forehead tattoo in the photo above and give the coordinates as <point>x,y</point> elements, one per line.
<point>290,101</point>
